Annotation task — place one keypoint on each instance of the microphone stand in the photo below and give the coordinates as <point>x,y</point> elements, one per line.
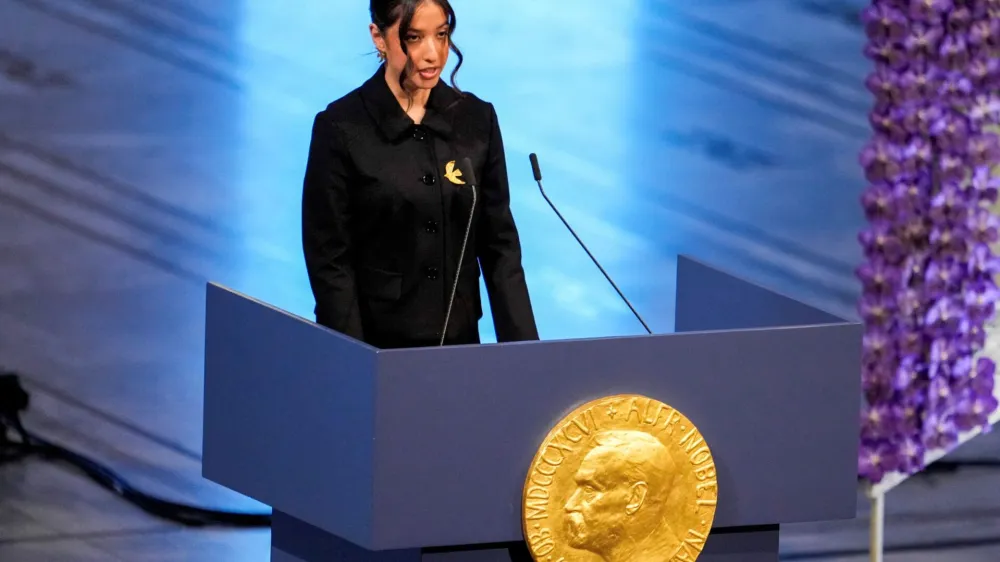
<point>538,179</point>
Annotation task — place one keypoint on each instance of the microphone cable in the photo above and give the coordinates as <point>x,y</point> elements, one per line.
<point>470,174</point>
<point>17,444</point>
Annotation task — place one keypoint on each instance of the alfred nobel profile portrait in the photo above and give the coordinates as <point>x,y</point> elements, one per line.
<point>619,509</point>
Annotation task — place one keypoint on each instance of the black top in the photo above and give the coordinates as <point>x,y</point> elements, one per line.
<point>383,220</point>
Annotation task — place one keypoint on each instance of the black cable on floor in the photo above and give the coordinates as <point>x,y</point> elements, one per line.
<point>16,443</point>
<point>958,464</point>
<point>957,544</point>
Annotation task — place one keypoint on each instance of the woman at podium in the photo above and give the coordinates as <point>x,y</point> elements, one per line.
<point>387,207</point>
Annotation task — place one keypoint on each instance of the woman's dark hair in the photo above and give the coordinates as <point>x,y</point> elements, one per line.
<point>385,13</point>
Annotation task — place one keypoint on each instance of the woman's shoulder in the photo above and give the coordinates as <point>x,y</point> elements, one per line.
<point>343,118</point>
<point>343,109</point>
<point>466,104</point>
<point>471,113</point>
<point>470,102</point>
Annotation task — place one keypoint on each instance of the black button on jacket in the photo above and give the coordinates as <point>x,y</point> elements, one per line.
<point>384,214</point>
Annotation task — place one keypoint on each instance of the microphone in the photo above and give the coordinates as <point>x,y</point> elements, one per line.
<point>538,179</point>
<point>469,173</point>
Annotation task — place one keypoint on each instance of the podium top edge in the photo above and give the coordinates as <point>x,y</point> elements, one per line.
<point>223,289</point>
<point>626,337</point>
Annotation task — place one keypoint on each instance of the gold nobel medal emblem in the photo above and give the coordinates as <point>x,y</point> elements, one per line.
<point>620,479</point>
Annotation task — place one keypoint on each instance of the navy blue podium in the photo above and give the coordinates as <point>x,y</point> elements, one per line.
<point>421,455</point>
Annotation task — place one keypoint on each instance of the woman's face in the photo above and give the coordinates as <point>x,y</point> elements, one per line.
<point>427,45</point>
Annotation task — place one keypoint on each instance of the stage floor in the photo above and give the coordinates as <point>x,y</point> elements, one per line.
<point>148,147</point>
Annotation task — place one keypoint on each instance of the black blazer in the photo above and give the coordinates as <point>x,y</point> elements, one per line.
<point>383,220</point>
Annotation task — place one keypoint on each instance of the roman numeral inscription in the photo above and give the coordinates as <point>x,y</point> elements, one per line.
<point>553,456</point>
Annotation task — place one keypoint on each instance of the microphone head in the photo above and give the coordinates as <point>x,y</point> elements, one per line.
<point>468,171</point>
<point>534,166</point>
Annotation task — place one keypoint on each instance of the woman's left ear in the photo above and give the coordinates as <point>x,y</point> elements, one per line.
<point>378,40</point>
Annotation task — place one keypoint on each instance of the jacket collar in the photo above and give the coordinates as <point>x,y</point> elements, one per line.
<point>389,115</point>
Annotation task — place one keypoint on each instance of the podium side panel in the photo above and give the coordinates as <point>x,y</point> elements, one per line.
<point>289,414</point>
<point>293,540</point>
<point>711,299</point>
<point>296,541</point>
<point>760,544</point>
<point>457,428</point>
<point>496,555</point>
<point>278,555</point>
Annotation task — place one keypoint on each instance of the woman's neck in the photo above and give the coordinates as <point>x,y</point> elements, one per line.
<point>413,101</point>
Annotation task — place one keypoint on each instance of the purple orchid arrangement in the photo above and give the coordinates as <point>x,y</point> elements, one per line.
<point>929,275</point>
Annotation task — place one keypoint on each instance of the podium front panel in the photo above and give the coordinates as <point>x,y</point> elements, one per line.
<point>457,428</point>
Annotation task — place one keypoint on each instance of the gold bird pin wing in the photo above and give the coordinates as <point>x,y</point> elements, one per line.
<point>453,175</point>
